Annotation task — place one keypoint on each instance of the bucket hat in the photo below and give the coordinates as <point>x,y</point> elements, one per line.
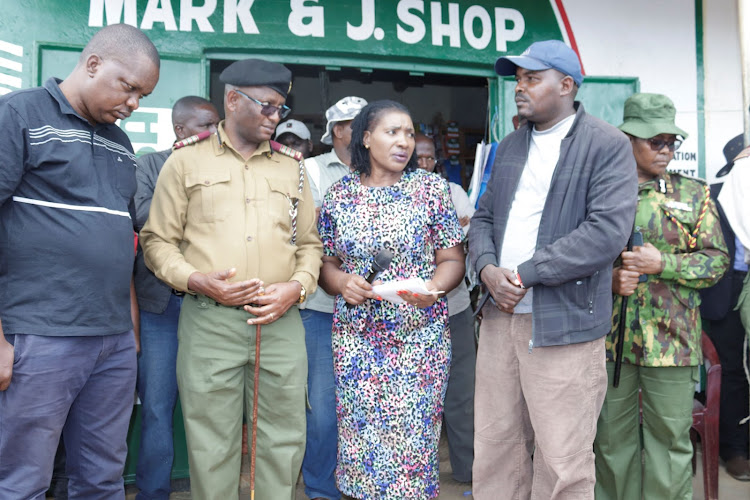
<point>648,115</point>
<point>346,109</point>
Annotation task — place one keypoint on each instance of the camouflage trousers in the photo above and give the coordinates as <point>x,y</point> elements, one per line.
<point>652,460</point>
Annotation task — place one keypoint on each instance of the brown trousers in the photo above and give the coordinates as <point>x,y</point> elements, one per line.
<point>546,402</point>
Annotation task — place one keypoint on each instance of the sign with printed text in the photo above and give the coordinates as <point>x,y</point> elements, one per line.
<point>465,32</point>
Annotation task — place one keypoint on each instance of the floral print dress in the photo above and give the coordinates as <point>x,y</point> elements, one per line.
<point>390,360</point>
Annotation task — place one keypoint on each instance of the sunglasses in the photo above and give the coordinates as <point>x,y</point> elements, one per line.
<point>267,109</point>
<point>658,144</point>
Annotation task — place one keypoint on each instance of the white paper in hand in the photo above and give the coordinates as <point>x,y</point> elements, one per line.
<point>388,291</point>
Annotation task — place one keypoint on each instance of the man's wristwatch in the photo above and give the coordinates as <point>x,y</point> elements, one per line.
<point>302,293</point>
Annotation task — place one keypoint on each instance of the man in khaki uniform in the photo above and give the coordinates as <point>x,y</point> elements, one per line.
<point>232,223</point>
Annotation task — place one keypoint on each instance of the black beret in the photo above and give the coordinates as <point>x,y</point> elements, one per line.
<point>258,73</point>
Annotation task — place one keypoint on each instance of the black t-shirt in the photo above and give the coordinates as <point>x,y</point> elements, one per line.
<point>66,218</point>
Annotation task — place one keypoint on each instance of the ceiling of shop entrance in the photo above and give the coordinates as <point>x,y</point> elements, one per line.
<point>432,98</point>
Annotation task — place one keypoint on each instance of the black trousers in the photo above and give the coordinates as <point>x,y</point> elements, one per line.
<point>728,336</point>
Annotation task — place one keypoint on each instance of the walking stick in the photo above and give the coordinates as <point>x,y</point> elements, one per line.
<point>623,313</point>
<point>620,341</point>
<point>254,435</point>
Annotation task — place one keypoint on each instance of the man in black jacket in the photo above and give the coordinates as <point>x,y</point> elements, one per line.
<point>159,307</point>
<point>557,211</point>
<point>724,326</point>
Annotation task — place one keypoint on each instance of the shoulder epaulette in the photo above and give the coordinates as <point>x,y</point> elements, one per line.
<point>286,150</point>
<point>192,139</point>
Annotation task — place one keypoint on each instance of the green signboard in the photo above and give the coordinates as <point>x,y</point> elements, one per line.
<point>42,38</point>
<point>466,36</point>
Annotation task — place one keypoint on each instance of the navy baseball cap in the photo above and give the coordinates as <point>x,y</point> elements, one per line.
<point>549,54</point>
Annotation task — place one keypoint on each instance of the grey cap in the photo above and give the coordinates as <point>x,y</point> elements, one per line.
<point>295,127</point>
<point>344,110</point>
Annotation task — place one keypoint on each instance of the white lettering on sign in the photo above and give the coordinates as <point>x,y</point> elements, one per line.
<point>483,40</point>
<point>300,13</point>
<point>156,14</point>
<point>503,34</point>
<point>509,25</point>
<point>364,30</point>
<point>403,11</point>
<point>234,10</point>
<point>451,29</point>
<point>190,13</point>
<point>306,20</point>
<point>114,10</point>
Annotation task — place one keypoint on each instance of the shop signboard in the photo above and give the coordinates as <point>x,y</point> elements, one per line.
<point>43,38</point>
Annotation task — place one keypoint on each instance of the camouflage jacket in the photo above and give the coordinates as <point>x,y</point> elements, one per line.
<point>663,324</point>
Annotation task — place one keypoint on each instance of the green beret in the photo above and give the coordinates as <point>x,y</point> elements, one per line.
<point>258,73</point>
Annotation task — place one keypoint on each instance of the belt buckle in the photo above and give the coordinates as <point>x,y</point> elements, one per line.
<point>178,293</point>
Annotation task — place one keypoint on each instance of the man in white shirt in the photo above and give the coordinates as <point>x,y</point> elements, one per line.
<point>558,210</point>
<point>319,464</point>
<point>458,412</point>
<point>733,200</point>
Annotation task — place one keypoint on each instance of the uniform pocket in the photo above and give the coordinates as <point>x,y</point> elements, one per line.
<point>282,195</point>
<point>209,192</point>
<point>685,218</point>
<point>688,297</point>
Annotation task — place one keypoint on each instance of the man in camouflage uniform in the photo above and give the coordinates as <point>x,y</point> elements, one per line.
<point>683,251</point>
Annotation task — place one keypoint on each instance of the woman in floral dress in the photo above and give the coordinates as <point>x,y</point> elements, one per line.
<point>390,360</point>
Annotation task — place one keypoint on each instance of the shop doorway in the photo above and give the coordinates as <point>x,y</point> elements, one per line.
<point>453,109</point>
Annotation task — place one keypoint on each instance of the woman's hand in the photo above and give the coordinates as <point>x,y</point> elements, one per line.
<point>355,289</point>
<point>624,282</point>
<point>644,260</point>
<point>420,300</point>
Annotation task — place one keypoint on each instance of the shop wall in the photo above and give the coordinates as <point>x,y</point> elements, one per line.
<point>651,40</point>
<point>721,45</point>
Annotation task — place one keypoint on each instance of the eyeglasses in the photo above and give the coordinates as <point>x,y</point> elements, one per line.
<point>658,144</point>
<point>267,109</point>
<point>428,159</point>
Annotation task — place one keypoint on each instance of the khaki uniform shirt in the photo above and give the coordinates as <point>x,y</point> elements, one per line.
<point>212,210</point>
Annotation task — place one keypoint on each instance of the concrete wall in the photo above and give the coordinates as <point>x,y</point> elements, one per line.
<point>723,79</point>
<point>653,40</point>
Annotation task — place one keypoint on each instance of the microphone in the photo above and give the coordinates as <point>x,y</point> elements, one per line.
<point>381,262</point>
